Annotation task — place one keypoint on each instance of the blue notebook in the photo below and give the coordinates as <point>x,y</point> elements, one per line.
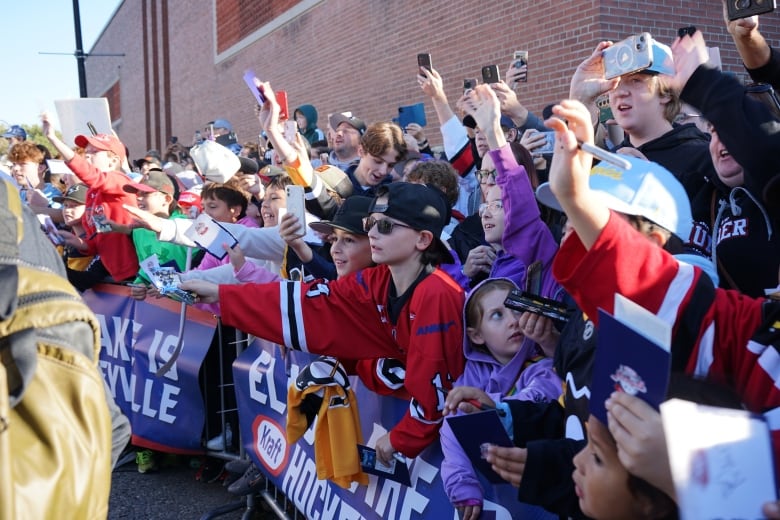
<point>475,429</point>
<point>397,470</point>
<point>632,356</point>
<point>412,114</point>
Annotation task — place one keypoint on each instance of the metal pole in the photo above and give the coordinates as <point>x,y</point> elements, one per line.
<point>80,56</point>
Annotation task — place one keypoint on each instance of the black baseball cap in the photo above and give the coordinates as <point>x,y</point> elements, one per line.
<point>349,217</point>
<point>420,206</point>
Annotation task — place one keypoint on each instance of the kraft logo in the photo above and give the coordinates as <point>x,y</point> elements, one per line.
<point>434,328</point>
<point>270,444</point>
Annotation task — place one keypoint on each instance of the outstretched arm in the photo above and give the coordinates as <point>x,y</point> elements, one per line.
<point>570,171</point>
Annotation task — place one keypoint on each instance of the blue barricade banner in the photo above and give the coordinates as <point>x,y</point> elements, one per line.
<point>262,375</point>
<point>137,338</point>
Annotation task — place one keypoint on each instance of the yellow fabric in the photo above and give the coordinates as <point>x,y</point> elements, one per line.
<point>336,434</point>
<point>301,174</point>
<point>60,431</point>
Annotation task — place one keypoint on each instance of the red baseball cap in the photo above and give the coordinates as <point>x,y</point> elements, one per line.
<point>105,142</point>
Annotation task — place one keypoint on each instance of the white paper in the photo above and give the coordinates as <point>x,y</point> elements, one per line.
<point>643,321</point>
<point>75,113</point>
<point>721,460</point>
<point>209,235</point>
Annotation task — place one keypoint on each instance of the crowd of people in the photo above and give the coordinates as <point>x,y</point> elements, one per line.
<point>414,251</point>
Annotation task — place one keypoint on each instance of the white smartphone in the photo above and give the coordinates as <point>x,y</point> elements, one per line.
<point>290,130</point>
<point>296,204</point>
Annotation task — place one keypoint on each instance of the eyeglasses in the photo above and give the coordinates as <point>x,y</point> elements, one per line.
<point>486,176</point>
<point>384,226</point>
<point>493,206</point>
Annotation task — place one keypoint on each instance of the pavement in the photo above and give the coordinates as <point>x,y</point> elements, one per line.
<point>173,493</point>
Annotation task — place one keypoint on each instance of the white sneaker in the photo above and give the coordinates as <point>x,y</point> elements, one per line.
<point>218,443</point>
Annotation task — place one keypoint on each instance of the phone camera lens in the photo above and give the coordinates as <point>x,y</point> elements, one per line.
<point>742,4</point>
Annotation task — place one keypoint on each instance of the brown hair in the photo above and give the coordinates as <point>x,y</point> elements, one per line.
<point>438,173</point>
<point>230,195</point>
<point>526,160</point>
<point>382,137</point>
<point>26,151</point>
<point>474,310</point>
<point>672,108</point>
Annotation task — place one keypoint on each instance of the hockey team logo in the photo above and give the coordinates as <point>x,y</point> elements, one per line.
<point>627,380</point>
<point>270,444</point>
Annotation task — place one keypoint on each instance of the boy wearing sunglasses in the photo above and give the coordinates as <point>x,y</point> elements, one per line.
<point>405,308</point>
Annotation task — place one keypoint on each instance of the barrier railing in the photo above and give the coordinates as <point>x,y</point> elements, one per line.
<point>168,413</point>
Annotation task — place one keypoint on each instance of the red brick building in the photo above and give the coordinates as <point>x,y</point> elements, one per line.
<point>184,60</point>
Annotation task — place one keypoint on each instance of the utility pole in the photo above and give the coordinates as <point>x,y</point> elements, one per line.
<point>80,56</point>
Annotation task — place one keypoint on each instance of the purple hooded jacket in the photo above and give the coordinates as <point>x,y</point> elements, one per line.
<point>534,382</point>
<point>526,238</point>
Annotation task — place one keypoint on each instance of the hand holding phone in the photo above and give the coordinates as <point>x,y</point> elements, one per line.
<point>296,204</point>
<point>249,79</point>
<point>520,59</point>
<point>490,74</point>
<point>424,61</point>
<point>469,84</point>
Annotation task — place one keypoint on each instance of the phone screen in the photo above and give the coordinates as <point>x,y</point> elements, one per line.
<point>424,60</point>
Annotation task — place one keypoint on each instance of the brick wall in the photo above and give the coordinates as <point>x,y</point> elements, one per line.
<point>358,55</point>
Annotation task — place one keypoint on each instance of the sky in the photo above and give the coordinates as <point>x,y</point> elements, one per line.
<point>32,81</point>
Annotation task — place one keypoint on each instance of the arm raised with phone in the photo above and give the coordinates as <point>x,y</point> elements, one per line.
<point>268,115</point>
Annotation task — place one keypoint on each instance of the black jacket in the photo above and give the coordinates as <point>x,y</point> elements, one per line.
<point>746,234</point>
<point>684,151</point>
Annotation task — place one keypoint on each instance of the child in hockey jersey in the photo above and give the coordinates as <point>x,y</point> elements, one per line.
<point>404,308</point>
<point>505,364</point>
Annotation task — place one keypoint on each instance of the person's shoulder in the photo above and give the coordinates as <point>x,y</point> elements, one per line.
<point>438,282</point>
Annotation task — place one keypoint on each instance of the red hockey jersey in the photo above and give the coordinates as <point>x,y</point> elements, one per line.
<point>718,334</point>
<point>348,318</point>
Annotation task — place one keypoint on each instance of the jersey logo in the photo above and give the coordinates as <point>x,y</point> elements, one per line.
<point>434,328</point>
<point>733,228</point>
<point>321,289</point>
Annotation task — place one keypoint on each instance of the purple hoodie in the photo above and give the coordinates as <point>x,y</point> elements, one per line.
<point>535,382</point>
<point>526,238</point>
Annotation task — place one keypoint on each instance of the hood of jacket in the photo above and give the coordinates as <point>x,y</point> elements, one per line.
<point>484,370</point>
<point>310,113</point>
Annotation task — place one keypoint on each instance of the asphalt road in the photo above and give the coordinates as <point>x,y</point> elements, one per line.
<point>172,493</point>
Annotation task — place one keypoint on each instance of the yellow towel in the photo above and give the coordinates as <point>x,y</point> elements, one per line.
<point>337,433</point>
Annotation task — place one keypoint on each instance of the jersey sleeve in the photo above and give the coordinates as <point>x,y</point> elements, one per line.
<point>336,318</point>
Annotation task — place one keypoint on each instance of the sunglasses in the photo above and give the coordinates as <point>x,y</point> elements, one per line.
<point>383,226</point>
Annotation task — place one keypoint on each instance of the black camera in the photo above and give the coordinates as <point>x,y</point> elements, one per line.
<point>528,302</point>
<point>737,9</point>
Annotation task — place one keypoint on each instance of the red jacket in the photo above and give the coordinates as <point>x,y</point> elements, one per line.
<point>348,318</point>
<point>719,334</point>
<point>106,196</point>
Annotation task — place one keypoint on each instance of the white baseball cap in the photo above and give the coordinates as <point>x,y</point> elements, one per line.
<point>646,189</point>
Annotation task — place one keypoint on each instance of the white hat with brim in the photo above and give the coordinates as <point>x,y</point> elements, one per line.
<point>646,189</point>
<point>214,161</point>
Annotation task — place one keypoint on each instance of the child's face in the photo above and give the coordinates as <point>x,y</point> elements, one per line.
<point>373,169</point>
<point>499,330</point>
<point>274,199</point>
<point>350,252</point>
<point>600,480</point>
<point>155,202</point>
<point>219,210</point>
<point>72,212</point>
<point>493,217</point>
<point>396,247</point>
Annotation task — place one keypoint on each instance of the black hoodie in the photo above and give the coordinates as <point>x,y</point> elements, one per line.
<point>747,236</point>
<point>684,151</point>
